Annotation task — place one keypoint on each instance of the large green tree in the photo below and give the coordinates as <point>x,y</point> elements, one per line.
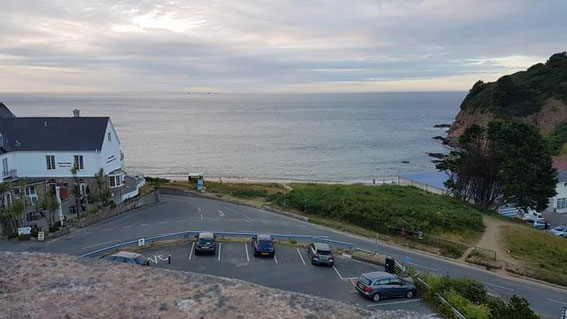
<point>507,161</point>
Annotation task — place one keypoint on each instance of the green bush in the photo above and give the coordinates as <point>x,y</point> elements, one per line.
<point>249,193</point>
<point>466,307</point>
<point>24,237</point>
<point>376,208</point>
<point>157,181</point>
<point>93,211</point>
<point>515,308</point>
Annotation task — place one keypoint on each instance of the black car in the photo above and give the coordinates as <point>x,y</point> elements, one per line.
<point>321,254</point>
<point>380,284</point>
<point>128,257</point>
<point>205,244</point>
<point>263,245</point>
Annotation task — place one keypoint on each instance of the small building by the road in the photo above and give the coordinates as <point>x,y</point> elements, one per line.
<point>558,203</point>
<point>433,182</point>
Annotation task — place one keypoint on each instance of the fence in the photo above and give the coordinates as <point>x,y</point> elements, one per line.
<point>440,241</point>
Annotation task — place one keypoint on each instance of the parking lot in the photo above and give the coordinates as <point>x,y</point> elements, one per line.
<point>290,269</point>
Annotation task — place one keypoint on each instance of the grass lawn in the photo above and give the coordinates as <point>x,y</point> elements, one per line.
<point>542,256</point>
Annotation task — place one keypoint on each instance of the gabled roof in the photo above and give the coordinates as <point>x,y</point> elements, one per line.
<point>5,112</point>
<point>53,133</point>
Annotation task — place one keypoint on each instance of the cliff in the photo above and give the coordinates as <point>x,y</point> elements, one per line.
<point>36,285</point>
<point>537,96</point>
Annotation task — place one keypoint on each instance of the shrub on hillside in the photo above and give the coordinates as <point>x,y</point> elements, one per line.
<point>375,208</point>
<point>515,308</point>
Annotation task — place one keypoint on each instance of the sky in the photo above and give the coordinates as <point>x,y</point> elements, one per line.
<point>272,45</point>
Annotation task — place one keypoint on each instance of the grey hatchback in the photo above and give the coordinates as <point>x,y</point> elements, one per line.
<point>128,257</point>
<point>380,284</point>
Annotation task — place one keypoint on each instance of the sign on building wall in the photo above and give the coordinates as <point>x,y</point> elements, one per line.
<point>24,231</point>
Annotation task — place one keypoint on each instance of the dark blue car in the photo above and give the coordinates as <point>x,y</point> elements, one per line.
<point>263,245</point>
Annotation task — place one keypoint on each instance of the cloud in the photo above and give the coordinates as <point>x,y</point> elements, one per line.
<point>272,45</point>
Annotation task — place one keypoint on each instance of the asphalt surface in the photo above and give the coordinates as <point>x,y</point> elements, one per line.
<point>182,213</point>
<point>290,270</point>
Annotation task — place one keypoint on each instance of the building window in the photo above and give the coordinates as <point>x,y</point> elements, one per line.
<point>50,161</point>
<point>109,137</point>
<point>78,162</point>
<point>5,166</point>
<point>112,181</point>
<point>561,203</point>
<point>115,181</point>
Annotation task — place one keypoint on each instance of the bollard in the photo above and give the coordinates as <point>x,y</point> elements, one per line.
<point>169,259</point>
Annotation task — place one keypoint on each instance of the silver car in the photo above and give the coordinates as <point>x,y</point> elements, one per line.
<point>380,284</point>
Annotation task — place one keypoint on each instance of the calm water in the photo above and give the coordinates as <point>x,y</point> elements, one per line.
<point>323,137</point>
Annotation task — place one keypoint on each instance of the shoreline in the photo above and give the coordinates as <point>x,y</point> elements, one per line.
<point>255,180</point>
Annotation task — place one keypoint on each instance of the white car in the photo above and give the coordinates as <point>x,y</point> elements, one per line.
<point>560,230</point>
<point>533,216</point>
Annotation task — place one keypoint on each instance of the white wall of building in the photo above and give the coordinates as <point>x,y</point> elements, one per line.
<point>33,164</point>
<point>559,201</point>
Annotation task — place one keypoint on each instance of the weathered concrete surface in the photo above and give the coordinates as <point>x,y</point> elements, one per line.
<point>35,285</point>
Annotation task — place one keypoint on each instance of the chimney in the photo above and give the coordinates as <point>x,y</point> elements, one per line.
<point>45,124</point>
<point>76,113</point>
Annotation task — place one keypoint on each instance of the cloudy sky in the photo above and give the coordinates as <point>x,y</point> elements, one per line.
<point>272,46</point>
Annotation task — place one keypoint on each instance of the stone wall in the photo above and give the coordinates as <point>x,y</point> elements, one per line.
<point>107,212</point>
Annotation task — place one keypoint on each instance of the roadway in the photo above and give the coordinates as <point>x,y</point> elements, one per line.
<point>181,213</point>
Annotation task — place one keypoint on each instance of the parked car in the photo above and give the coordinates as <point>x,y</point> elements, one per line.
<point>321,254</point>
<point>539,224</point>
<point>380,284</point>
<point>560,230</point>
<point>532,216</point>
<point>205,244</point>
<point>263,245</point>
<point>128,257</point>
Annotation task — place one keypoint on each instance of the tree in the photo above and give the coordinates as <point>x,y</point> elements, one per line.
<point>11,216</point>
<point>516,308</point>
<point>527,176</point>
<point>103,194</point>
<point>50,204</point>
<point>508,161</point>
<point>473,168</point>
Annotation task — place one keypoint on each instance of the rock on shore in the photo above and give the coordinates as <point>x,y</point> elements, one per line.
<point>37,285</point>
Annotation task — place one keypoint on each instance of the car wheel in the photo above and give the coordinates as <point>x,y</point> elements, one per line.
<point>376,297</point>
<point>410,294</point>
<point>312,262</point>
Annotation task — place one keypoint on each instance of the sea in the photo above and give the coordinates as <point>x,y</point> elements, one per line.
<point>327,137</point>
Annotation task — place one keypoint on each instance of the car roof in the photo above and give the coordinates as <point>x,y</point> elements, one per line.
<point>378,275</point>
<point>322,246</point>
<point>206,235</point>
<point>264,237</point>
<point>126,254</point>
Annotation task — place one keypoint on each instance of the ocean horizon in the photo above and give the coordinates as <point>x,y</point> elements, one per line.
<point>318,137</point>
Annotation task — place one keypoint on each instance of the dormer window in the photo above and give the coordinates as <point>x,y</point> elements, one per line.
<point>109,137</point>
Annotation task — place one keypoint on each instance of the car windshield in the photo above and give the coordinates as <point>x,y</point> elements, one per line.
<point>323,252</point>
<point>265,243</point>
<point>205,241</point>
<point>141,260</point>
<point>365,280</point>
<point>560,228</point>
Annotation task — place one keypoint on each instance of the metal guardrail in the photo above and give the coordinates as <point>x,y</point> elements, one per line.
<point>192,233</point>
<point>444,301</point>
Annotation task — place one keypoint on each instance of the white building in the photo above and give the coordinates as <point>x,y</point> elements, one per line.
<point>558,203</point>
<point>43,150</point>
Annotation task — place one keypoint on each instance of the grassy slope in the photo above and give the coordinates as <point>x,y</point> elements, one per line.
<point>375,208</point>
<point>542,255</point>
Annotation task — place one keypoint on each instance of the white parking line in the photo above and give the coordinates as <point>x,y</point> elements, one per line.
<point>557,301</point>
<point>200,211</point>
<point>220,246</point>
<point>338,273</point>
<point>181,221</point>
<point>239,213</point>
<point>191,251</point>
<point>302,260</point>
<point>497,286</point>
<point>126,227</point>
<point>246,247</point>
<point>221,214</point>
<point>393,303</point>
<point>144,224</point>
<point>275,258</point>
<point>164,222</point>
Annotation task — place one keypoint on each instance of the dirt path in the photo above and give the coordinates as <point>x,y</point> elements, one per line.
<point>491,239</point>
